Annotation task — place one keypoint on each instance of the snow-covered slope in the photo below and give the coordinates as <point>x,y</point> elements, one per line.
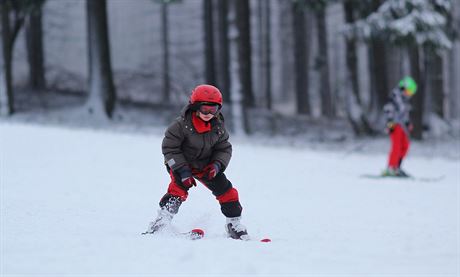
<point>76,201</point>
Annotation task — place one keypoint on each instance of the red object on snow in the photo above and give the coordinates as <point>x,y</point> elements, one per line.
<point>198,231</point>
<point>266,240</point>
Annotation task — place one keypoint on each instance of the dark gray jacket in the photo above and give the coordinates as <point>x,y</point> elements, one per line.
<point>183,145</point>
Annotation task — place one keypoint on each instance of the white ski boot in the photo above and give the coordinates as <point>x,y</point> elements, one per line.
<point>235,229</point>
<point>163,220</point>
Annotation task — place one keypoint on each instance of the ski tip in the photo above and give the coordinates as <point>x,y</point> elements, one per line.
<point>199,232</point>
<point>266,240</point>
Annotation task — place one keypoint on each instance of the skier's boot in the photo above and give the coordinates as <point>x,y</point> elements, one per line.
<point>401,173</point>
<point>394,172</point>
<point>163,220</point>
<point>235,229</point>
<point>169,205</point>
<point>389,172</point>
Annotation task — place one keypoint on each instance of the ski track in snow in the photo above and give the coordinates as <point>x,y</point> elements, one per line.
<point>74,202</point>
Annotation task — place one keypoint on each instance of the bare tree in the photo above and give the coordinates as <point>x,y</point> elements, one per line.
<point>6,92</point>
<point>242,16</point>
<point>418,99</point>
<point>378,72</point>
<point>454,66</point>
<point>223,60</point>
<point>102,94</point>
<point>165,47</point>
<point>224,51</point>
<point>286,77</point>
<point>435,83</point>
<point>322,61</point>
<point>13,14</point>
<point>34,45</point>
<point>264,37</point>
<point>210,71</point>
<point>301,53</point>
<point>354,106</point>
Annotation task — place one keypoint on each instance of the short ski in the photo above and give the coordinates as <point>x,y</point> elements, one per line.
<point>249,238</point>
<point>412,178</point>
<point>194,234</point>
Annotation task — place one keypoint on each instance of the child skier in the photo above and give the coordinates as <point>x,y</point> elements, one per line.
<point>196,146</point>
<point>398,125</point>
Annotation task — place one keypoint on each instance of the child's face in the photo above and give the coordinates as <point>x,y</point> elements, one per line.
<point>205,117</point>
<point>407,93</point>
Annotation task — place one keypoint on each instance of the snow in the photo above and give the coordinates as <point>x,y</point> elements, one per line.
<point>74,202</point>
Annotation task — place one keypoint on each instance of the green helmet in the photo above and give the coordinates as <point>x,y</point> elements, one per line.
<point>409,85</point>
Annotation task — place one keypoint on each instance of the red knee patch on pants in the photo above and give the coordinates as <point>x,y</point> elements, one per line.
<point>175,190</point>
<point>230,196</point>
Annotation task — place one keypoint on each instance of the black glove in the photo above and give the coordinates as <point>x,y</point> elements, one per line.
<point>186,177</point>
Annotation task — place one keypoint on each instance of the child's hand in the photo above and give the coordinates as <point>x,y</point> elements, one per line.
<point>390,127</point>
<point>410,127</point>
<point>188,181</point>
<point>211,170</point>
<point>186,177</point>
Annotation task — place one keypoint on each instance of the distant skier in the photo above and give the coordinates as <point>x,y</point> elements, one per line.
<point>398,125</point>
<point>196,146</point>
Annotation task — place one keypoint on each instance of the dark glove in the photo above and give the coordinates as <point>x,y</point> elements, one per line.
<point>186,177</point>
<point>211,170</point>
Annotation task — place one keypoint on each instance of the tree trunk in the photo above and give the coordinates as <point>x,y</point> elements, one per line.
<point>418,98</point>
<point>244,58</point>
<point>301,51</point>
<point>224,51</point>
<point>454,68</point>
<point>224,59</point>
<point>267,55</point>
<point>327,108</point>
<point>435,86</point>
<point>265,50</point>
<point>210,70</point>
<point>34,43</point>
<point>354,109</point>
<point>454,83</point>
<point>285,77</point>
<point>393,65</point>
<point>351,55</point>
<point>165,46</point>
<point>6,90</point>
<point>260,49</point>
<point>101,88</point>
<point>378,70</point>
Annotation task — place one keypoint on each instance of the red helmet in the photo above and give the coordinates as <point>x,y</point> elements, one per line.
<point>206,93</point>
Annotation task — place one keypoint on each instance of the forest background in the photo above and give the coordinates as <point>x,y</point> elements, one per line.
<point>284,66</point>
